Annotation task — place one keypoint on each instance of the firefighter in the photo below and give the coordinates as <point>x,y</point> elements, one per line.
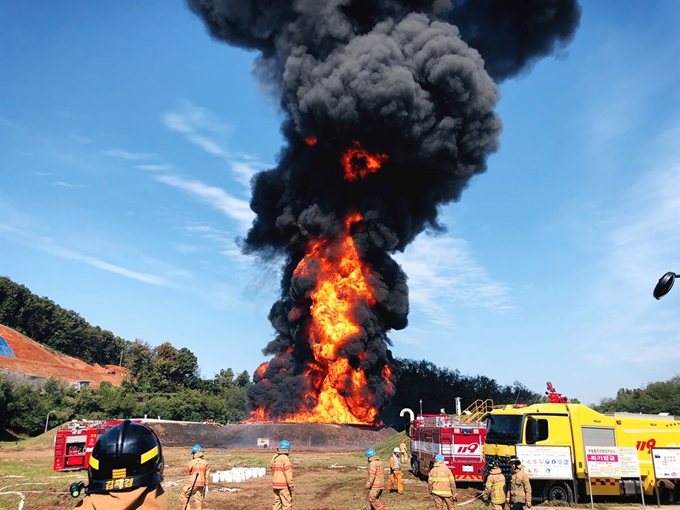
<point>395,472</point>
<point>199,474</point>
<point>494,489</point>
<point>404,451</point>
<point>442,485</point>
<point>520,487</point>
<point>126,471</point>
<point>376,480</point>
<point>282,482</point>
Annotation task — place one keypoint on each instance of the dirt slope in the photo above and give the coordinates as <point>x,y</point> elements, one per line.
<point>305,436</point>
<point>34,360</point>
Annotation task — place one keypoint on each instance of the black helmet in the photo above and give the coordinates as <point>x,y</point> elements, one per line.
<point>514,461</point>
<point>492,463</point>
<point>125,457</point>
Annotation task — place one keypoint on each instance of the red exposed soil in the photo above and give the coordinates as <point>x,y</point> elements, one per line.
<point>35,360</point>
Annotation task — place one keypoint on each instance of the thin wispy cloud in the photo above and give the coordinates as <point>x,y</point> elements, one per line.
<point>443,275</point>
<point>186,249</point>
<point>129,156</point>
<point>154,168</point>
<point>76,159</point>
<point>62,184</point>
<point>203,229</point>
<point>48,245</point>
<point>244,171</point>
<point>42,174</point>
<point>235,253</point>
<point>80,138</point>
<point>228,248</point>
<point>639,240</point>
<point>200,126</point>
<point>217,198</point>
<point>208,131</point>
<point>209,233</point>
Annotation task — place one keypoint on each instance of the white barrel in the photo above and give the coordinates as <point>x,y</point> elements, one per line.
<point>238,477</point>
<point>216,477</point>
<point>228,476</point>
<point>249,474</point>
<point>262,471</point>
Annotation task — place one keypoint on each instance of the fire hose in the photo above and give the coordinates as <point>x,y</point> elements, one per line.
<point>191,492</point>
<point>23,498</point>
<point>470,500</point>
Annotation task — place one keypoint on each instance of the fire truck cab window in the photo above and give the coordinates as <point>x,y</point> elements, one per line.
<point>537,430</point>
<point>504,429</point>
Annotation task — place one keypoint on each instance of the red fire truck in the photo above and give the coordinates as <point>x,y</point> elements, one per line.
<point>459,438</point>
<point>75,440</point>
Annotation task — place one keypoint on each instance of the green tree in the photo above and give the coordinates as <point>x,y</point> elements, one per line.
<point>223,381</point>
<point>235,408</point>
<point>139,359</point>
<point>59,399</point>
<point>243,380</point>
<point>164,363</point>
<point>6,396</point>
<point>185,371</point>
<point>117,403</point>
<point>655,398</point>
<point>28,411</point>
<point>13,298</point>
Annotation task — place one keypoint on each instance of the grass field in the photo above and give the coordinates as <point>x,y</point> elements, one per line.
<point>324,480</point>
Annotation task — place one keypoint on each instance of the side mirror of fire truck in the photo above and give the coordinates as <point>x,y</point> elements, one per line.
<point>531,431</point>
<point>664,285</point>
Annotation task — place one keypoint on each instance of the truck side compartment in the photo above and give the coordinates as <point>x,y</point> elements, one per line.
<point>577,426</point>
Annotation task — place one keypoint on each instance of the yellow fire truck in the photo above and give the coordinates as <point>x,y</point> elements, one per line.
<point>521,429</point>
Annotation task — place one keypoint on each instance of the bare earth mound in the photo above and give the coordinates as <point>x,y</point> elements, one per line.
<point>304,436</point>
<point>34,361</point>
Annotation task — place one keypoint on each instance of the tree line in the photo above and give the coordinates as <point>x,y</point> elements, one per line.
<point>27,409</point>
<point>40,319</point>
<point>24,408</point>
<point>165,381</point>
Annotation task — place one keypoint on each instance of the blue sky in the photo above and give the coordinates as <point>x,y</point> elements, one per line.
<point>128,138</point>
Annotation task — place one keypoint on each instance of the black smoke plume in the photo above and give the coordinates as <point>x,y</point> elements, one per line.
<point>413,79</point>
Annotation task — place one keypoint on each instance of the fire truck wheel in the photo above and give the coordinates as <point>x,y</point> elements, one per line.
<point>415,467</point>
<point>666,493</point>
<point>558,491</point>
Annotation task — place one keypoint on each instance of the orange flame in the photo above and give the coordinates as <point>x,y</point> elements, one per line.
<point>342,283</point>
<point>311,140</point>
<point>358,163</point>
<point>259,372</point>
